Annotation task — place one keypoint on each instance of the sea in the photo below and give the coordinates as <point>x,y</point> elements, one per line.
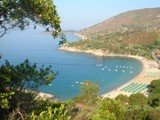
<point>73,68</point>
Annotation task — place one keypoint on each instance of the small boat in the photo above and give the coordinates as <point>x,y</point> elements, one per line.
<point>81,83</point>
<point>131,71</point>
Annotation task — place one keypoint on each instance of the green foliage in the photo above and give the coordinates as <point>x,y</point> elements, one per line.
<point>4,99</point>
<point>51,114</point>
<point>109,109</point>
<point>154,100</point>
<point>63,39</point>
<point>155,45</point>
<point>113,43</point>
<point>19,14</point>
<point>138,99</point>
<point>136,113</point>
<point>82,114</point>
<point>135,107</point>
<point>103,115</point>
<point>24,76</point>
<point>15,79</point>
<point>154,87</point>
<point>23,105</point>
<point>153,114</point>
<point>88,93</point>
<point>142,113</point>
<point>123,98</point>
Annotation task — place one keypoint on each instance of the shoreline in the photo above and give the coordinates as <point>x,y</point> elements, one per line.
<point>141,78</point>
<point>80,36</point>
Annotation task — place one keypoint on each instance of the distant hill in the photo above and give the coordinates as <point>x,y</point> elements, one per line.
<point>135,32</point>
<point>69,31</point>
<point>135,27</point>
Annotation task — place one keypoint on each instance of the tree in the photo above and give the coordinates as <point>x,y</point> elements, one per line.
<point>154,100</point>
<point>88,93</point>
<point>123,98</point>
<point>20,13</point>
<point>4,99</point>
<point>136,112</point>
<point>103,115</point>
<point>138,99</point>
<point>15,79</point>
<point>51,114</point>
<point>24,76</point>
<point>64,40</point>
<point>153,114</point>
<point>21,77</point>
<point>109,110</point>
<point>154,87</point>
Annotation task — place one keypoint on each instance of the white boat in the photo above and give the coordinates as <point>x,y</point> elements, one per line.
<point>76,82</point>
<point>131,71</point>
<point>81,83</point>
<point>102,69</point>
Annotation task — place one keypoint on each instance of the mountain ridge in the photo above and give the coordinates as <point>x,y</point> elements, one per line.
<point>146,21</point>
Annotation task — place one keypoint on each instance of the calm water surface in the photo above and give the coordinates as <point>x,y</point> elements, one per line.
<point>73,68</point>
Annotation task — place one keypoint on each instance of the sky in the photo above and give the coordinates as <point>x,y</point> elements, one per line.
<point>80,14</point>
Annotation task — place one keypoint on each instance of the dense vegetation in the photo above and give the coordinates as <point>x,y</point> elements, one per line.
<point>113,43</point>
<point>17,103</point>
<point>134,32</point>
<point>19,84</point>
<point>135,107</point>
<point>21,13</point>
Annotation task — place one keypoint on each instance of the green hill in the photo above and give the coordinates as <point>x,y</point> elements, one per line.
<point>142,26</point>
<point>135,32</point>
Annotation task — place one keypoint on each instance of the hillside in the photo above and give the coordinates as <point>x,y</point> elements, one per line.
<point>135,33</point>
<point>138,27</point>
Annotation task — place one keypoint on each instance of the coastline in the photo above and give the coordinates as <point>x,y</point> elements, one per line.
<point>141,78</point>
<point>80,36</point>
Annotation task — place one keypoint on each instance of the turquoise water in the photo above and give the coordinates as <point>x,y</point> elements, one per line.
<point>73,68</point>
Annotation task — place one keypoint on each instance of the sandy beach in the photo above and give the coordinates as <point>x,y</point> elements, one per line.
<point>142,78</point>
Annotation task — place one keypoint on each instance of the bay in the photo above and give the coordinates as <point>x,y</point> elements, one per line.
<point>73,68</point>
